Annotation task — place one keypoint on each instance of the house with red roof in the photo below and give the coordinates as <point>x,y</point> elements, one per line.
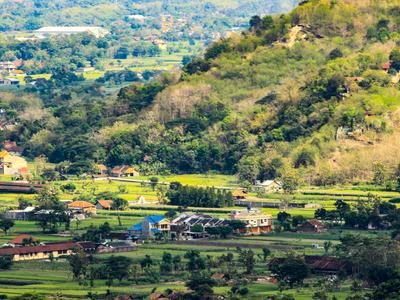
<point>104,204</point>
<point>39,252</point>
<point>312,226</point>
<point>82,207</point>
<point>23,239</point>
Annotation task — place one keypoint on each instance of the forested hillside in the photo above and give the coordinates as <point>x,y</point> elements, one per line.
<point>313,94</point>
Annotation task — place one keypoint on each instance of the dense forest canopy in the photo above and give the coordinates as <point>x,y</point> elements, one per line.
<point>302,93</point>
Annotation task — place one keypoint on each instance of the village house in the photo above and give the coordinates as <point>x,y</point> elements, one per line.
<point>319,264</point>
<point>12,164</point>
<point>124,171</point>
<point>150,227</point>
<point>9,82</point>
<point>25,214</point>
<point>184,226</point>
<point>85,69</point>
<point>270,186</point>
<point>239,194</point>
<point>256,221</point>
<point>39,252</point>
<point>23,240</point>
<point>101,169</point>
<point>312,226</point>
<point>82,207</point>
<point>20,187</point>
<point>7,66</point>
<point>104,204</point>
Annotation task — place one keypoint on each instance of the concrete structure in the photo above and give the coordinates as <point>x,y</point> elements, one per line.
<point>12,164</point>
<point>98,32</point>
<point>182,226</point>
<point>151,226</point>
<point>20,214</point>
<point>256,221</point>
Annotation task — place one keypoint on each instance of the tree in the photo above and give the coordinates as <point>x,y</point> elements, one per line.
<point>153,182</point>
<point>246,258</point>
<point>122,53</point>
<point>236,225</point>
<point>146,262</point>
<point>202,285</point>
<point>298,220</point>
<point>284,220</point>
<point>6,224</point>
<point>379,174</point>
<point>195,262</point>
<point>290,182</point>
<point>78,263</point>
<point>388,290</point>
<point>6,262</point>
<point>170,214</point>
<point>23,203</point>
<point>335,53</point>
<point>395,59</point>
<point>166,265</point>
<point>117,267</point>
<point>119,204</point>
<point>266,253</point>
<point>292,270</point>
<point>327,246</point>
<point>255,22</point>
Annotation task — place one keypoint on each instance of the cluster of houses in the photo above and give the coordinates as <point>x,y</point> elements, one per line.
<point>79,210</point>
<point>189,225</point>
<point>118,171</point>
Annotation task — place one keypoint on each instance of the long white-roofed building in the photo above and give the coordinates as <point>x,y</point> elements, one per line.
<point>60,30</point>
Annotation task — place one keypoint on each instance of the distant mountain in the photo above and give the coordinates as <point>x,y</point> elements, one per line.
<point>31,14</point>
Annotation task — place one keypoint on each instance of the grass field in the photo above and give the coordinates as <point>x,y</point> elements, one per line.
<point>55,277</point>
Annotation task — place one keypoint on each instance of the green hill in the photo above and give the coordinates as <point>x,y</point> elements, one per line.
<point>284,93</point>
<point>303,93</point>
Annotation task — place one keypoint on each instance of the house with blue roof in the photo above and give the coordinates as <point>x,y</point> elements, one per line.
<point>150,227</point>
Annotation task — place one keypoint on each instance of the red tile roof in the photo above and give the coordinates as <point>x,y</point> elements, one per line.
<point>80,204</point>
<point>316,223</point>
<point>386,66</point>
<point>36,249</point>
<point>105,203</point>
<point>20,239</point>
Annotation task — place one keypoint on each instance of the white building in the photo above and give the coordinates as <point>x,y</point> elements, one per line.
<point>60,30</point>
